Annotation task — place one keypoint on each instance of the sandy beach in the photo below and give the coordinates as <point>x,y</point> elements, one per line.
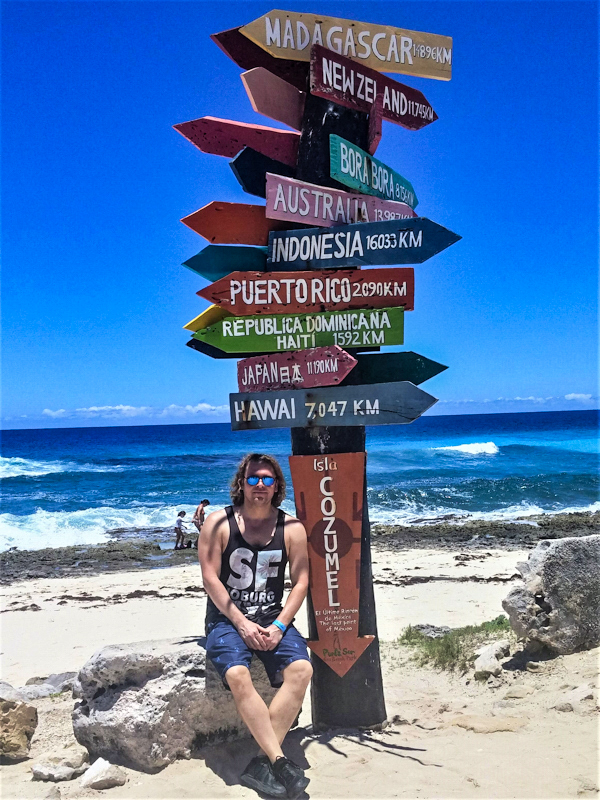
<point>427,575</point>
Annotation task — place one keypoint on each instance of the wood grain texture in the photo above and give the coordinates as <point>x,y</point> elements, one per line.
<point>233,223</point>
<point>273,97</point>
<point>319,366</point>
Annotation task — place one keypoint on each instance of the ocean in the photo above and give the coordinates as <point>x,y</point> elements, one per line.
<point>89,485</point>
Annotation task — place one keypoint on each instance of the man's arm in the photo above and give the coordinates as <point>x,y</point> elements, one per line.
<point>211,544</point>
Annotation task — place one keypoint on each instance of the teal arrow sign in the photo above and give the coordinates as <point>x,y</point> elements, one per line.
<point>217,261</point>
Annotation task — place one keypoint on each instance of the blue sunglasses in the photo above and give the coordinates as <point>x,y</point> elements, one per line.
<point>253,480</point>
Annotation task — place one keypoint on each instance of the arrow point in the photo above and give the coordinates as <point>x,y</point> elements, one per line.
<point>345,661</point>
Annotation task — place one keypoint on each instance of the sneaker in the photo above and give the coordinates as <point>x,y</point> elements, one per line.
<point>291,776</point>
<point>259,776</point>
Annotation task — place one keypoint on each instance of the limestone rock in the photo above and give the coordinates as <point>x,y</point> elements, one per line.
<point>18,721</point>
<point>53,793</point>
<point>559,605</point>
<point>487,663</point>
<point>44,687</point>
<point>8,692</point>
<point>432,631</point>
<point>145,705</point>
<point>518,692</point>
<point>471,722</point>
<point>61,765</point>
<point>103,775</point>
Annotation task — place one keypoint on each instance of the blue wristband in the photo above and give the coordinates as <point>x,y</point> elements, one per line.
<point>279,625</point>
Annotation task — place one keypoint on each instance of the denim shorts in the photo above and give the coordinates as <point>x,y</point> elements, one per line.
<point>226,649</point>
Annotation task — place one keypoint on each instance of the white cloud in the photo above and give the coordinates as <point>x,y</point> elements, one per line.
<point>575,396</point>
<point>55,414</point>
<point>129,412</point>
<point>184,411</point>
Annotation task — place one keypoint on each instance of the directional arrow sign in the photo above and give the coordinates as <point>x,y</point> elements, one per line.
<point>320,366</point>
<point>329,497</point>
<point>209,316</point>
<point>407,241</point>
<point>246,293</point>
<point>251,167</point>
<point>223,137</point>
<point>360,171</point>
<point>353,85</point>
<point>274,97</point>
<point>297,201</point>
<point>272,334</point>
<point>391,367</point>
<point>217,261</point>
<point>288,35</point>
<point>233,223</point>
<point>214,352</point>
<point>377,404</point>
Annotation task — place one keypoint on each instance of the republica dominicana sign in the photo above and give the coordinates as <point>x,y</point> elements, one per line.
<point>288,35</point>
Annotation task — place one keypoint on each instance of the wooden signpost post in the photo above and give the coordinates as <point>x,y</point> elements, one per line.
<point>324,290</point>
<point>274,97</point>
<point>321,366</point>
<point>297,201</point>
<point>233,223</point>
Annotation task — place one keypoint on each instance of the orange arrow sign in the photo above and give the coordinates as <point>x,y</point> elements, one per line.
<point>234,223</point>
<point>329,497</point>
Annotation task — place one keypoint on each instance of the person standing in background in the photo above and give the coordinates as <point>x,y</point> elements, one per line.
<point>198,518</point>
<point>180,531</point>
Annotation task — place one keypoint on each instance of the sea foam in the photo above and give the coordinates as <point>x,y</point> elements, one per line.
<point>474,449</point>
<point>30,468</point>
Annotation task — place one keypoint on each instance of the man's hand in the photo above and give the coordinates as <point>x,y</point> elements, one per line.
<point>254,636</point>
<point>274,636</point>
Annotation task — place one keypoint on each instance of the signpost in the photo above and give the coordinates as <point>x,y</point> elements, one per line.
<point>218,260</point>
<point>321,366</point>
<point>286,34</point>
<point>407,241</point>
<point>274,97</point>
<point>376,404</point>
<point>245,293</point>
<point>251,167</point>
<point>223,137</point>
<point>233,223</point>
<point>272,334</point>
<point>357,169</point>
<point>392,367</point>
<point>209,316</point>
<point>291,201</point>
<point>354,85</point>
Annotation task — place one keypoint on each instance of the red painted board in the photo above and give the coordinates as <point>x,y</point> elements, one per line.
<point>353,85</point>
<point>298,201</point>
<point>303,369</point>
<point>224,137</point>
<point>329,497</point>
<point>274,97</point>
<point>249,293</point>
<point>248,55</point>
<point>233,223</point>
<point>375,131</point>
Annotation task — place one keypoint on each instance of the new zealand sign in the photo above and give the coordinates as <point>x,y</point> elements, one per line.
<point>354,167</point>
<point>297,201</point>
<point>407,241</point>
<point>289,35</point>
<point>244,293</point>
<point>305,369</point>
<point>329,498</point>
<point>272,334</point>
<point>353,85</point>
<point>376,404</point>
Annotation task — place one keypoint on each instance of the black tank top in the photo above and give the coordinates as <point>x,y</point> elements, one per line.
<point>253,576</point>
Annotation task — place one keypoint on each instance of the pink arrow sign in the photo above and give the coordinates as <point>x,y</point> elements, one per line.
<point>223,137</point>
<point>274,97</point>
<point>304,369</point>
<point>297,201</point>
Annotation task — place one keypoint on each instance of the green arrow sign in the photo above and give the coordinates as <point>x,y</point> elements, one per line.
<point>281,332</point>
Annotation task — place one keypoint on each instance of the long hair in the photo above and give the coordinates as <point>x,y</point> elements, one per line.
<point>239,479</point>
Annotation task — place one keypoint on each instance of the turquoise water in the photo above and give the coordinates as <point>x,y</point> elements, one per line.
<point>86,485</point>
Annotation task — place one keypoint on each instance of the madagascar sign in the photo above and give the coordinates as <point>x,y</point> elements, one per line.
<point>322,366</point>
<point>288,35</point>
<point>265,334</point>
<point>244,293</point>
<point>353,85</point>
<point>329,497</point>
<point>408,241</point>
<point>360,171</point>
<point>297,201</point>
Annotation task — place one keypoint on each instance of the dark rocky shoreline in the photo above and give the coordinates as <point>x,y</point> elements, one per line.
<point>127,554</point>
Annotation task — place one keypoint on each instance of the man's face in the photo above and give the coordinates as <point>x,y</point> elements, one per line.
<point>259,495</point>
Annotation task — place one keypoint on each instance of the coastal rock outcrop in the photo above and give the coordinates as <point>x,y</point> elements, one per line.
<point>559,605</point>
<point>61,765</point>
<point>18,721</point>
<point>487,662</point>
<point>103,775</point>
<point>144,705</point>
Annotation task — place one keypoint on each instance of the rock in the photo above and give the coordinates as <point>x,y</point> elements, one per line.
<point>563,707</point>
<point>103,775</point>
<point>477,724</point>
<point>60,682</point>
<point>572,700</point>
<point>61,765</point>
<point>518,692</point>
<point>145,705</point>
<point>8,692</point>
<point>432,631</point>
<point>537,666</point>
<point>18,721</point>
<point>53,794</point>
<point>487,663</point>
<point>559,605</point>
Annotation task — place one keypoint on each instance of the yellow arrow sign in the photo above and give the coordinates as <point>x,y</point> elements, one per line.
<point>210,316</point>
<point>285,34</point>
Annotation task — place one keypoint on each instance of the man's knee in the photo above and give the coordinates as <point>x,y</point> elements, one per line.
<point>298,672</point>
<point>239,679</point>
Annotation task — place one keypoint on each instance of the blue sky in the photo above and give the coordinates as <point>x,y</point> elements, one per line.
<point>95,181</point>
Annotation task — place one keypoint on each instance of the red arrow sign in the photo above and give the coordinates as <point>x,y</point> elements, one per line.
<point>274,97</point>
<point>233,223</point>
<point>354,85</point>
<point>223,137</point>
<point>320,366</point>
<point>329,497</point>
<point>246,293</point>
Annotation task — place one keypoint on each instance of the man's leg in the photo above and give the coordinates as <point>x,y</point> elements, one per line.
<point>287,702</point>
<point>253,711</point>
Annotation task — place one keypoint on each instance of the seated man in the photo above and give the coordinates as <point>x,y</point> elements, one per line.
<point>243,552</point>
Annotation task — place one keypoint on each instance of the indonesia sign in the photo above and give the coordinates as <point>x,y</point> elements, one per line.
<point>322,366</point>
